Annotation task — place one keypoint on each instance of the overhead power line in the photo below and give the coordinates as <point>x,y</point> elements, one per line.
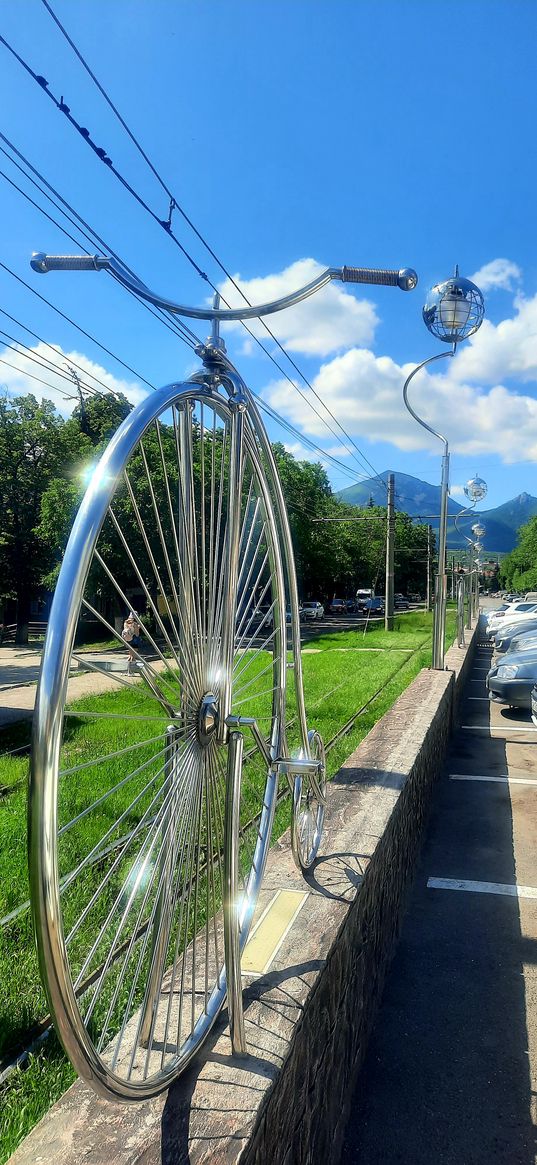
<point>89,336</point>
<point>25,328</point>
<point>96,240</point>
<point>89,233</point>
<point>103,156</point>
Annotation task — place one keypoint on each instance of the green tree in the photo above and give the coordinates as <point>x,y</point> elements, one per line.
<point>37,447</point>
<point>519,568</point>
<point>98,417</point>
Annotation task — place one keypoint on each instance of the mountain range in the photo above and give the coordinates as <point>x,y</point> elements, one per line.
<point>421,500</point>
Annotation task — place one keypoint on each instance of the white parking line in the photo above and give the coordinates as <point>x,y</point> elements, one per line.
<point>507,780</point>
<point>498,728</point>
<point>482,887</point>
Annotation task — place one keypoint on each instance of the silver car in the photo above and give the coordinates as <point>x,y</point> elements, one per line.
<point>312,611</point>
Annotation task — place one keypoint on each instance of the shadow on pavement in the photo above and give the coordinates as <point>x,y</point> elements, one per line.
<point>446,1077</point>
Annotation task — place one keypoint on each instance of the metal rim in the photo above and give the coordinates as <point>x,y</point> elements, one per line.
<point>308,809</point>
<point>119,999</point>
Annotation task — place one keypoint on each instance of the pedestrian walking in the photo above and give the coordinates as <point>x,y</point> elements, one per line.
<point>131,636</point>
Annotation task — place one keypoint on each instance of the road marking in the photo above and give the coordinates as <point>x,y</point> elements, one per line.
<point>506,780</point>
<point>498,728</point>
<point>273,926</point>
<point>482,887</point>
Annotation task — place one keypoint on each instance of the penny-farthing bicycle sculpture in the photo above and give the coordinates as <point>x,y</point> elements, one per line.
<point>147,855</point>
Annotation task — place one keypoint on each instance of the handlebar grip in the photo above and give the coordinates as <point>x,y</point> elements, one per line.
<point>406,279</point>
<point>45,263</point>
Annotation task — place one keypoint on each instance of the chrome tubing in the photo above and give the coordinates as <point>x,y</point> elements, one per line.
<point>460,612</point>
<point>439,619</point>
<point>231,893</point>
<point>406,279</point>
<point>468,588</point>
<point>162,918</point>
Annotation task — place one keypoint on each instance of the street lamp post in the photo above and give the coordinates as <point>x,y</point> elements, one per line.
<point>454,310</point>
<point>475,489</point>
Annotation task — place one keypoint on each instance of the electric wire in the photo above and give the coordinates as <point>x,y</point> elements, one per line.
<point>31,376</point>
<point>48,366</point>
<point>46,344</point>
<point>75,325</point>
<point>96,239</point>
<point>166,225</point>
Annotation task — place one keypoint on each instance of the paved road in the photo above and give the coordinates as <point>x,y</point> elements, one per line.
<point>451,1072</point>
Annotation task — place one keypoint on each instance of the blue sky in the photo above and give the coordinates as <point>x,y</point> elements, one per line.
<point>296,135</point>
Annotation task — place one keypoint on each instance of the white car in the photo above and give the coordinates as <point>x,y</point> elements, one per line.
<point>312,611</point>
<point>514,613</point>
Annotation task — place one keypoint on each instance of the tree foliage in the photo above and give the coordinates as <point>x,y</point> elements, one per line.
<point>518,569</point>
<point>37,448</point>
<point>337,547</point>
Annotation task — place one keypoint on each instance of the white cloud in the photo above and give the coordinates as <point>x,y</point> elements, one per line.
<point>17,378</point>
<point>498,274</point>
<point>330,320</point>
<point>503,351</point>
<point>365,392</point>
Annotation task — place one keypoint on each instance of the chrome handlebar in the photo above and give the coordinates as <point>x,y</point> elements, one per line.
<point>406,279</point>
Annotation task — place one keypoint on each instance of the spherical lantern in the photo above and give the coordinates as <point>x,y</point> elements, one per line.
<point>478,546</point>
<point>476,489</point>
<point>479,529</point>
<point>454,310</point>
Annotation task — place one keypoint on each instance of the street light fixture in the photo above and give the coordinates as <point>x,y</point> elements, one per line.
<point>453,311</point>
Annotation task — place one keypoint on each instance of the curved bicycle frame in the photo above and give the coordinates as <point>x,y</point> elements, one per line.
<point>246,426</point>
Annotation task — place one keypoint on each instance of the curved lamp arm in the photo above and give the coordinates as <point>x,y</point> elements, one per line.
<point>440,356</point>
<point>406,279</point>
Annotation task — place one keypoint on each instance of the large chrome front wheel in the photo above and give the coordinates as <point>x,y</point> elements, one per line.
<point>128,775</point>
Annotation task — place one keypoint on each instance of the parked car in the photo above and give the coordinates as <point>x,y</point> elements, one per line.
<point>374,607</point>
<point>288,613</point>
<point>415,598</point>
<point>400,603</point>
<point>508,638</point>
<point>312,611</point>
<point>350,606</point>
<point>510,681</point>
<point>263,618</point>
<point>337,607</point>
<point>512,614</point>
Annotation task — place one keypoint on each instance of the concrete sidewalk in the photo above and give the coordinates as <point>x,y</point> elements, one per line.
<point>19,672</point>
<point>451,1071</point>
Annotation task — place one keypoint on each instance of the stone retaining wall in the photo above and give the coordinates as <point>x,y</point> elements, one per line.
<point>308,1019</point>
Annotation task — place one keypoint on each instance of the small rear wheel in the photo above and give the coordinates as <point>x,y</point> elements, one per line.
<point>308,807</point>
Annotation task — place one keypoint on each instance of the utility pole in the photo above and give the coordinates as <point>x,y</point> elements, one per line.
<point>76,381</point>
<point>429,565</point>
<point>390,541</point>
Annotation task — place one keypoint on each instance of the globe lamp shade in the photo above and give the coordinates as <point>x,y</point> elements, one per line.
<point>454,310</point>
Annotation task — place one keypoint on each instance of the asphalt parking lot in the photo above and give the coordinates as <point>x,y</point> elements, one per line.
<point>451,1071</point>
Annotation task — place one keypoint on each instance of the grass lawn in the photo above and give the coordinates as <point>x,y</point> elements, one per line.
<point>339,678</point>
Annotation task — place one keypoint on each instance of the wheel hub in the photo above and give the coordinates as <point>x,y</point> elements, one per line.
<point>207,718</point>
